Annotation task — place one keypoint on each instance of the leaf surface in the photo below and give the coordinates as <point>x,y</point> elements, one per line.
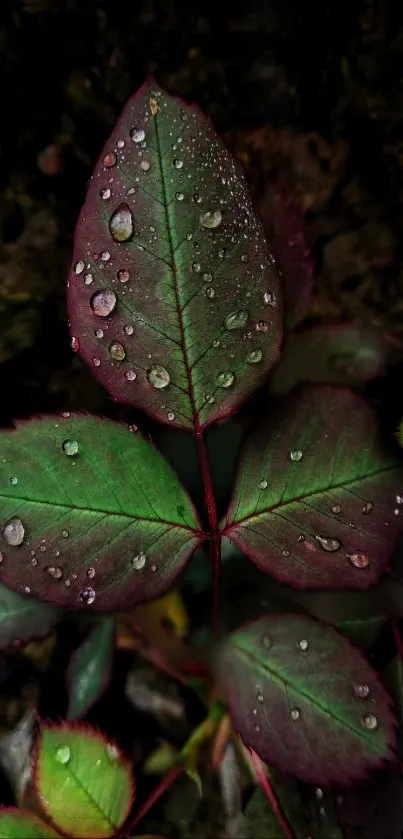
<point>173,294</point>
<point>260,817</point>
<point>305,699</point>
<point>317,499</point>
<point>18,824</point>
<point>90,668</point>
<point>91,514</point>
<point>22,618</point>
<point>84,782</point>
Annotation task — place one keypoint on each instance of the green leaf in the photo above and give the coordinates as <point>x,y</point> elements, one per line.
<point>22,619</point>
<point>363,631</point>
<point>261,820</point>
<point>18,824</point>
<point>91,514</point>
<point>173,293</point>
<point>316,493</point>
<point>90,668</point>
<point>305,699</point>
<point>84,782</point>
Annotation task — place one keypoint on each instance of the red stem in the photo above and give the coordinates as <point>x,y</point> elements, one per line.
<point>398,639</point>
<point>159,790</point>
<point>264,783</point>
<point>215,544</point>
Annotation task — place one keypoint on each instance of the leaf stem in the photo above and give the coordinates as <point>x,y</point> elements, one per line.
<point>264,782</point>
<point>215,543</point>
<point>159,790</point>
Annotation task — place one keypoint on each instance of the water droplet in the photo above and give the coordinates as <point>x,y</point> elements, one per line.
<point>196,267</point>
<point>301,538</point>
<point>128,330</point>
<point>303,644</point>
<point>63,754</point>
<point>359,560</point>
<point>197,198</point>
<point>138,562</point>
<point>123,276</point>
<point>14,532</point>
<point>88,279</point>
<point>105,193</point>
<point>327,543</point>
<point>179,196</point>
<point>91,573</point>
<point>171,416</point>
<point>236,320</point>
<point>263,484</point>
<point>96,361</point>
<point>158,376</point>
<point>145,165</point>
<point>178,163</point>
<point>209,292</point>
<point>99,333</point>
<point>79,267</point>
<point>87,595</point>
<point>105,256</point>
<point>121,224</point>
<point>117,351</point>
<point>14,480</point>
<point>75,344</point>
<point>361,691</point>
<point>103,303</point>
<point>262,326</point>
<point>112,752</point>
<point>55,572</point>
<point>296,455</point>
<point>70,447</point>
<point>260,697</point>
<point>367,507</point>
<point>130,375</point>
<point>225,379</point>
<point>153,568</point>
<point>370,721</point>
<point>319,793</point>
<point>207,278</point>
<point>295,713</point>
<point>336,508</point>
<point>399,499</point>
<point>254,356</point>
<point>137,135</point>
<point>109,160</point>
<point>269,298</point>
<point>211,219</point>
<point>65,534</point>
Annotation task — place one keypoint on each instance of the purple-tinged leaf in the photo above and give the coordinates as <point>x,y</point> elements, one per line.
<point>316,499</point>
<point>336,354</point>
<point>260,816</point>
<point>305,699</point>
<point>91,514</point>
<point>283,222</point>
<point>90,668</point>
<point>363,631</point>
<point>20,824</point>
<point>174,299</point>
<point>23,619</point>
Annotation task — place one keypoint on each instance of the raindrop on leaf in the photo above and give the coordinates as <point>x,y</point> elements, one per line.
<point>70,447</point>
<point>178,163</point>
<point>328,544</point>
<point>63,754</point>
<point>263,484</point>
<point>236,320</point>
<point>109,160</point>
<point>117,351</point>
<point>158,376</point>
<point>361,691</point>
<point>359,560</point>
<point>103,303</point>
<point>130,375</point>
<point>225,379</point>
<point>138,562</point>
<point>79,267</point>
<point>137,135</point>
<point>87,595</point>
<point>370,721</point>
<point>211,219</point>
<point>121,224</point>
<point>55,572</point>
<point>14,532</point>
<point>296,455</point>
<point>295,713</point>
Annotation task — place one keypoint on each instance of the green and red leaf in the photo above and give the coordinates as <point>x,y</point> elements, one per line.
<point>91,514</point>
<point>20,824</point>
<point>173,295</point>
<point>23,619</point>
<point>317,498</point>
<point>305,699</point>
<point>84,782</point>
<point>90,668</point>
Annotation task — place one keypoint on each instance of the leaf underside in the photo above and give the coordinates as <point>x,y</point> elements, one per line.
<point>104,528</point>
<point>84,782</point>
<point>317,501</point>
<point>20,824</point>
<point>296,704</point>
<point>90,668</point>
<point>23,619</point>
<point>168,233</point>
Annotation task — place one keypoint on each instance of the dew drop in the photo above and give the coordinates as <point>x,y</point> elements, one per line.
<point>225,379</point>
<point>370,721</point>
<point>296,455</point>
<point>87,595</point>
<point>295,713</point>
<point>158,376</point>
<point>197,198</point>
<point>262,326</point>
<point>121,224</point>
<point>211,219</point>
<point>130,375</point>
<point>362,690</point>
<point>91,573</point>
<point>137,135</point>
<point>209,292</point>
<point>79,267</point>
<point>207,278</point>
<point>367,507</point>
<point>319,793</point>
<point>399,499</point>
<point>359,560</point>
<point>65,534</point>
<point>110,160</point>
<point>14,480</point>
<point>178,163</point>
<point>96,361</point>
<point>70,447</point>
<point>336,508</point>
<point>112,752</point>
<point>128,330</point>
<point>103,303</point>
<point>179,196</point>
<point>196,267</point>
<point>117,351</point>
<point>105,256</point>
<point>301,538</point>
<point>328,544</point>
<point>236,320</point>
<point>55,572</point>
<point>123,276</point>
<point>263,484</point>
<point>14,532</point>
<point>75,344</point>
<point>88,279</point>
<point>269,298</point>
<point>171,416</point>
<point>303,644</point>
<point>63,754</point>
<point>145,165</point>
<point>244,258</point>
<point>254,356</point>
<point>99,333</point>
<point>105,193</point>
<point>138,562</point>
<point>260,697</point>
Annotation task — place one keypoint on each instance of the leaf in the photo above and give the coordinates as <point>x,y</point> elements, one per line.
<point>18,824</point>
<point>323,816</point>
<point>91,514</point>
<point>283,222</point>
<point>393,678</point>
<point>315,495</point>
<point>90,668</point>
<point>305,699</point>
<point>336,354</point>
<point>84,782</point>
<point>262,822</point>
<point>171,269</point>
<point>363,631</point>
<point>22,619</point>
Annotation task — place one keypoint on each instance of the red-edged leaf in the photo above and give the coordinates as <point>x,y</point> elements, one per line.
<point>20,824</point>
<point>90,668</point>
<point>283,221</point>
<point>306,700</point>
<point>337,354</point>
<point>91,514</point>
<point>173,293</point>
<point>316,499</point>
